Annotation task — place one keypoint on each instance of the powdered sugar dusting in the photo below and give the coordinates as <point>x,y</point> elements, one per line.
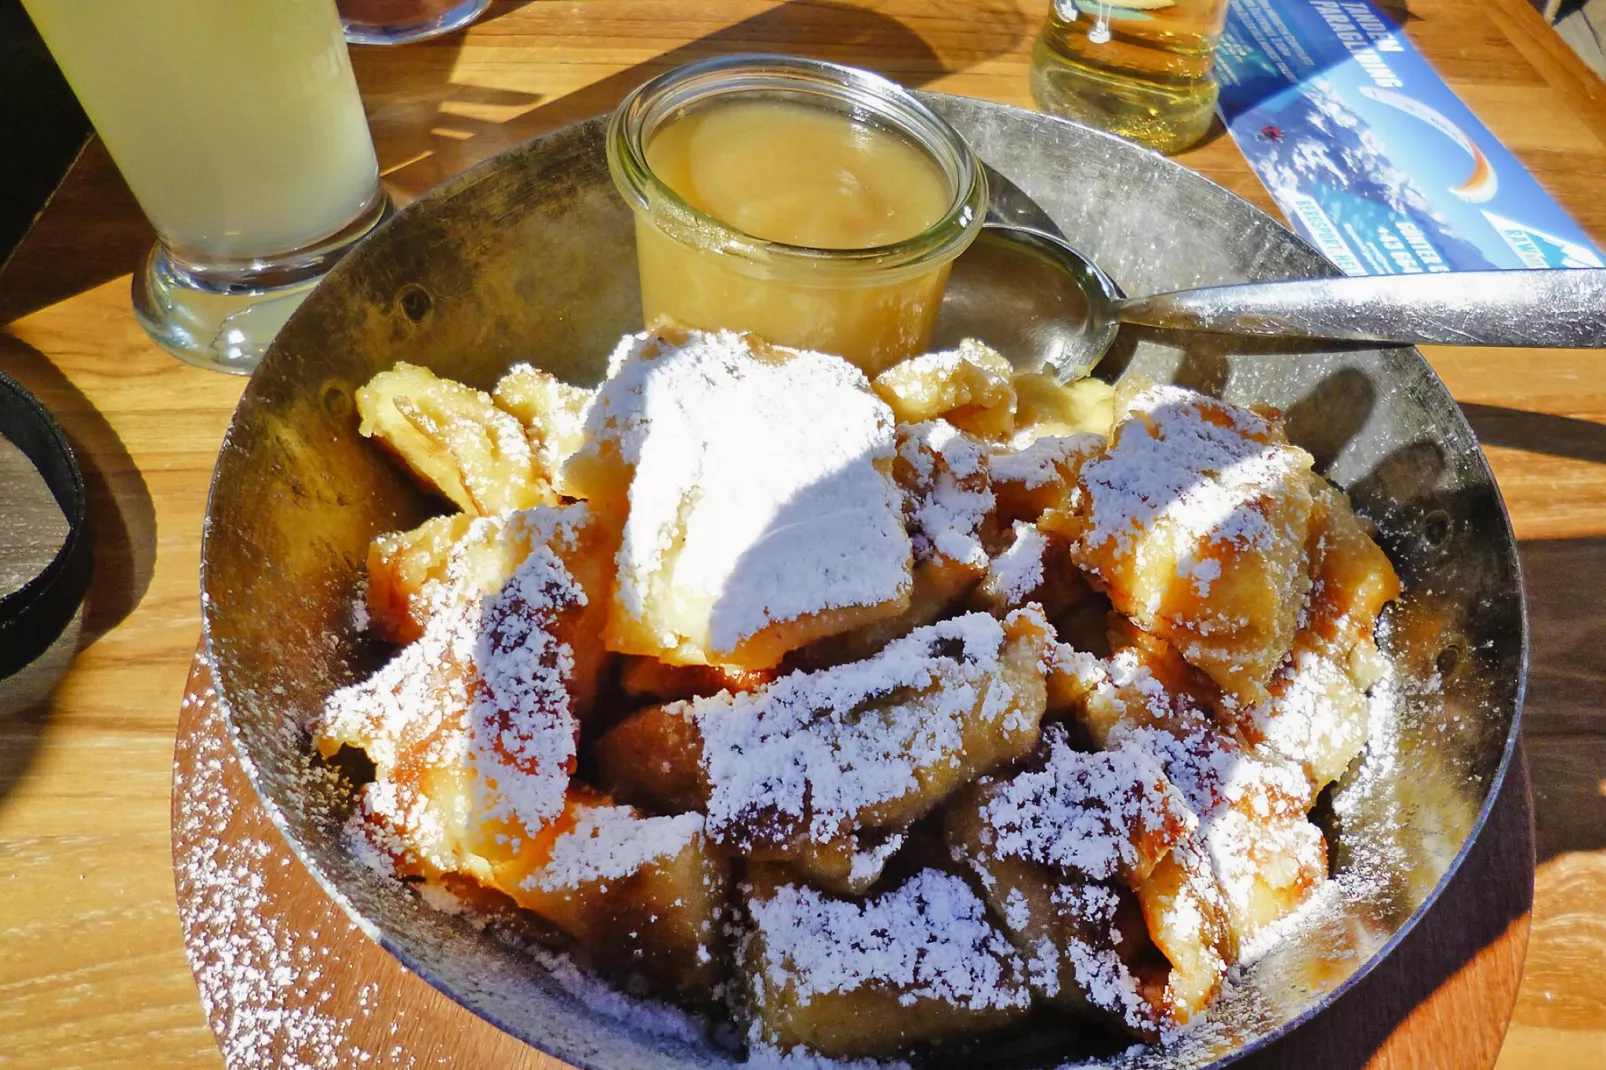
<point>793,757</point>
<point>761,489</point>
<point>611,842</point>
<point>244,950</point>
<point>928,939</point>
<point>1199,465</point>
<point>1096,814</point>
<point>950,499</point>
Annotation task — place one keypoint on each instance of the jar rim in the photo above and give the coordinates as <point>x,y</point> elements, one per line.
<point>859,93</point>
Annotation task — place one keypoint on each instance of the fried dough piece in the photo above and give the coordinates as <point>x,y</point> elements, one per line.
<point>1034,568</point>
<point>943,474</point>
<point>472,728</point>
<point>1254,857</point>
<point>1351,578</point>
<point>872,744</point>
<point>916,964</point>
<point>1047,842</point>
<point>454,561</point>
<point>1317,712</point>
<point>1196,524</point>
<point>1186,918</point>
<point>652,680</point>
<point>1046,407</point>
<point>1041,478</point>
<point>1085,943</point>
<point>401,565</point>
<point>653,759</point>
<point>1254,843</point>
<point>969,387</point>
<point>454,439</point>
<point>553,413</point>
<point>643,897</point>
<point>762,514</point>
<point>802,769</point>
<point>947,508</point>
<point>1102,816</point>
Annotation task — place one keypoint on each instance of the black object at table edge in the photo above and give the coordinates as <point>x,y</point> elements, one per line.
<point>32,616</point>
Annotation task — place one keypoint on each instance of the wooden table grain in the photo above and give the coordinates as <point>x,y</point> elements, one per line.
<point>92,969</point>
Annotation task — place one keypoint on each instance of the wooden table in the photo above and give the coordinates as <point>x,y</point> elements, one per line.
<point>92,971</point>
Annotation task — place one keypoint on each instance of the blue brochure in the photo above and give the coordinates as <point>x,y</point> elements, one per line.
<point>1377,163</point>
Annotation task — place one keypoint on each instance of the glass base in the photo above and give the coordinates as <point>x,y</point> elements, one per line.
<point>224,317</point>
<point>367,32</point>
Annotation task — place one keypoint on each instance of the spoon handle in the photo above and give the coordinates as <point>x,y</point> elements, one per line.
<point>1469,308</point>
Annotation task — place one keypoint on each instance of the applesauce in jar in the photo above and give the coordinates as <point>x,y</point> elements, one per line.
<point>813,205</point>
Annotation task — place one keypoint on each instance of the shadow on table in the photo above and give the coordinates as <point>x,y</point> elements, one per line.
<point>819,29</point>
<point>120,524</point>
<point>63,256</point>
<point>1538,432</point>
<point>1564,722</point>
<point>1564,725</point>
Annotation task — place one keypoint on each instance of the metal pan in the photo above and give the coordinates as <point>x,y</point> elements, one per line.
<point>530,257</point>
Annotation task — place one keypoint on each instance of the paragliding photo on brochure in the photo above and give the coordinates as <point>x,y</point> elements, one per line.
<point>1374,160</point>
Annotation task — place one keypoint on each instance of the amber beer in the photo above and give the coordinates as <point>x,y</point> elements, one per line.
<point>1137,68</point>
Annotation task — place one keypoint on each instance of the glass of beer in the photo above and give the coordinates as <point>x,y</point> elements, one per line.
<point>238,127</point>
<point>814,205</point>
<point>397,22</point>
<point>1137,68</point>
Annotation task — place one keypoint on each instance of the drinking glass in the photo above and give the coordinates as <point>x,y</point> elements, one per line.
<point>1137,68</point>
<point>396,22</point>
<point>238,127</point>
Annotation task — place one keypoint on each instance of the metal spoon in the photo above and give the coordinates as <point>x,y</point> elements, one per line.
<point>1026,291</point>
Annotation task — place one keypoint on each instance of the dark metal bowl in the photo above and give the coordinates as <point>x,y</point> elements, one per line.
<point>530,257</point>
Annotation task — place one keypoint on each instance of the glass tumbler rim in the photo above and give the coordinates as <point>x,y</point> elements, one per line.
<point>857,93</point>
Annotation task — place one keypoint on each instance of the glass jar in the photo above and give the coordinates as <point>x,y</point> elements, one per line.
<point>874,306</point>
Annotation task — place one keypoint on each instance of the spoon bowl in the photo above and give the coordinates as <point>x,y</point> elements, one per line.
<point>1041,302</point>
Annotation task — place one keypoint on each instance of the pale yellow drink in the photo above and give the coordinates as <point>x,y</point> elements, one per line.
<point>236,123</point>
<point>803,176</point>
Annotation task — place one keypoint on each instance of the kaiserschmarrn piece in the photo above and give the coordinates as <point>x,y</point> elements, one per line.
<point>472,728</point>
<point>1056,848</point>
<point>754,489</point>
<point>851,979</point>
<point>454,439</point>
<point>553,413</point>
<point>1196,521</point>
<point>401,566</point>
<point>795,769</point>
<point>456,560</point>
<point>970,387</point>
<point>643,897</point>
<point>1317,711</point>
<point>1253,858</point>
<point>1046,407</point>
